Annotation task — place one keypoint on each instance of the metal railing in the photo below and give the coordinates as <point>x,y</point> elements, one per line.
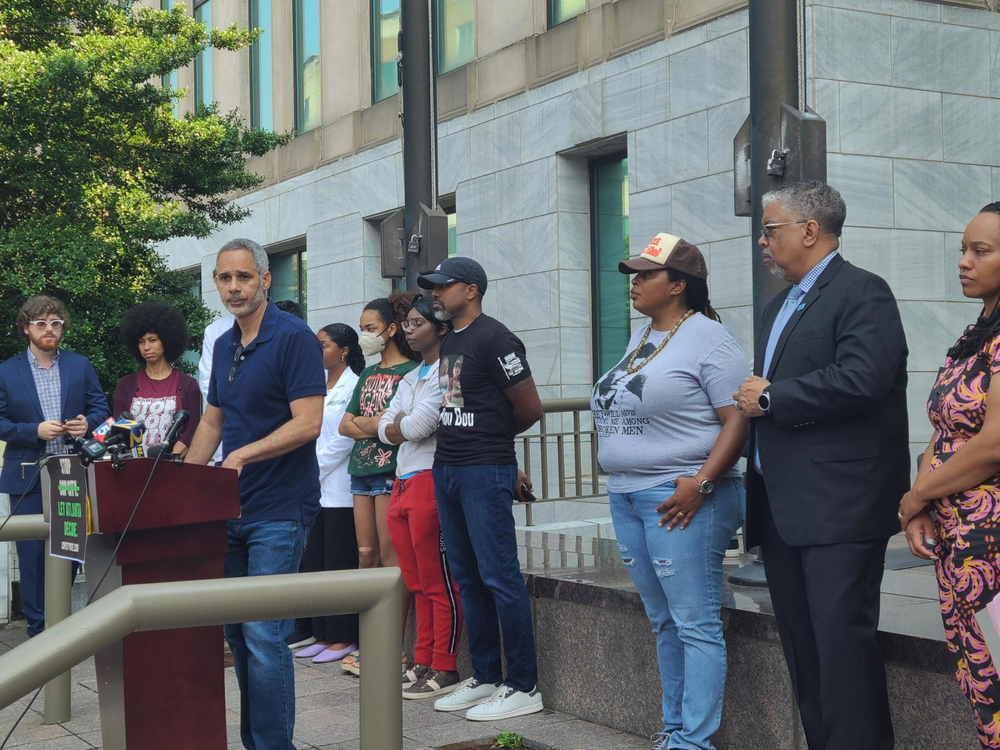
<point>374,593</point>
<point>58,592</point>
<point>576,444</point>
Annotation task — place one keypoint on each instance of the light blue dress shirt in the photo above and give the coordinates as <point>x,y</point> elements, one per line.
<point>791,304</point>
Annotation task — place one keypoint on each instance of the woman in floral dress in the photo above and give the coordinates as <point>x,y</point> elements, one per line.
<point>952,513</point>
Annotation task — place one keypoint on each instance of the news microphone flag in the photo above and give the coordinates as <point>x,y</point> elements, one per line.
<point>102,430</point>
<point>130,429</point>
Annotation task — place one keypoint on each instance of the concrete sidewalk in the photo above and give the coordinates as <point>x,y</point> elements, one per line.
<point>326,717</point>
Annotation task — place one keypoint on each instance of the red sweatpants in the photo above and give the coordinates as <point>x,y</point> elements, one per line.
<point>416,534</point>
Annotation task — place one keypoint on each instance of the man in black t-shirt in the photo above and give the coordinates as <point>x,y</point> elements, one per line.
<point>489,397</point>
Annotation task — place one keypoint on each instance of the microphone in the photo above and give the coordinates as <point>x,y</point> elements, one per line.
<point>123,435</point>
<point>100,432</point>
<point>181,418</point>
<point>126,432</point>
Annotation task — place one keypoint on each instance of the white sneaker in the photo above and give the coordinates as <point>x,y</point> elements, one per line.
<point>469,693</point>
<point>506,703</point>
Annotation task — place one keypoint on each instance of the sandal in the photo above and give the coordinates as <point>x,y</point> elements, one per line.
<point>349,661</point>
<point>354,666</point>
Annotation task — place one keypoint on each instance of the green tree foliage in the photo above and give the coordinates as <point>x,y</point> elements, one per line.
<point>95,168</point>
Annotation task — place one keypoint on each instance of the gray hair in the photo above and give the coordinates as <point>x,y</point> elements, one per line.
<point>260,260</point>
<point>812,200</point>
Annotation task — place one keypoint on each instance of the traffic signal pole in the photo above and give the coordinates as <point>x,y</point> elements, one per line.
<point>418,81</point>
<point>781,142</point>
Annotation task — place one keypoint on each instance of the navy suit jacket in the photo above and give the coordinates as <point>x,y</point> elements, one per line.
<point>834,450</point>
<point>21,412</point>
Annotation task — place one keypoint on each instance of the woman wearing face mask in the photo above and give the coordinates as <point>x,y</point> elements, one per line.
<point>372,465</point>
<point>411,423</point>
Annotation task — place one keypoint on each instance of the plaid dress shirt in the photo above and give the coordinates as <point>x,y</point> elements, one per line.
<point>49,387</point>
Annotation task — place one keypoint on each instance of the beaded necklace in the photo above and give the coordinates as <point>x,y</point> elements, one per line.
<point>632,370</point>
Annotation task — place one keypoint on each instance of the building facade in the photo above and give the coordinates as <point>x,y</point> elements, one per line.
<point>572,130</point>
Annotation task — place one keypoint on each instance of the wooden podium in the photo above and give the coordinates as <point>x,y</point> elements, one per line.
<point>161,690</point>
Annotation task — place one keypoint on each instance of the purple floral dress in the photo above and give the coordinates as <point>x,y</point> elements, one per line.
<point>967,569</point>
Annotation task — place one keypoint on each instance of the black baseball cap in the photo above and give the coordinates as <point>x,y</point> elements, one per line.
<point>451,270</point>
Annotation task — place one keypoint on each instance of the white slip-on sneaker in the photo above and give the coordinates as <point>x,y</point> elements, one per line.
<point>506,703</point>
<point>469,693</point>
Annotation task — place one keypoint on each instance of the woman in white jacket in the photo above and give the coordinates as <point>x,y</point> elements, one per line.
<point>411,422</point>
<point>332,544</point>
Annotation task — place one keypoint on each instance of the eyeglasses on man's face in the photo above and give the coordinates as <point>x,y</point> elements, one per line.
<point>767,230</point>
<point>237,358</point>
<point>41,325</point>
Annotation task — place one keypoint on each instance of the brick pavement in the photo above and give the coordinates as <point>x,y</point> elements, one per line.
<point>326,717</point>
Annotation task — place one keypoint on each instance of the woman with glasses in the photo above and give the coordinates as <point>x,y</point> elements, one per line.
<point>157,335</point>
<point>411,423</point>
<point>670,438</point>
<point>372,465</point>
<point>332,541</point>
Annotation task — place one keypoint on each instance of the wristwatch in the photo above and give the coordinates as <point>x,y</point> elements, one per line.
<point>704,486</point>
<point>764,401</point>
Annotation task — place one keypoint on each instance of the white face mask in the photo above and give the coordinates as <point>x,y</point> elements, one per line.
<point>371,343</point>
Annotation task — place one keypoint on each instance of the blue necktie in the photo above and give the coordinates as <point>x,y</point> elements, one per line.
<point>784,315</point>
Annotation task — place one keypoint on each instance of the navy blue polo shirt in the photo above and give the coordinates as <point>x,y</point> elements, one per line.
<point>284,363</point>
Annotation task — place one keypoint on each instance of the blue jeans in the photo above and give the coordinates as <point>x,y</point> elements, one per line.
<point>263,662</point>
<point>31,564</point>
<point>474,506</point>
<point>679,577</point>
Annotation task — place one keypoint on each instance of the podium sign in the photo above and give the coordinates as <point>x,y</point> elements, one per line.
<point>65,488</point>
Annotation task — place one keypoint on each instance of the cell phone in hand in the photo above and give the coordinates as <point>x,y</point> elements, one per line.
<point>526,496</point>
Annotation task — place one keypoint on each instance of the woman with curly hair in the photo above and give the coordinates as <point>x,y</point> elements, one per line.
<point>157,335</point>
<point>372,465</point>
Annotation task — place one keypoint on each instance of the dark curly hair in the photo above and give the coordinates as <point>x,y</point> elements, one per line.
<point>166,321</point>
<point>986,327</point>
<point>695,293</point>
<point>346,338</point>
<point>394,309</point>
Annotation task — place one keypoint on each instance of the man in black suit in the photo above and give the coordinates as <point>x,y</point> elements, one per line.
<point>828,462</point>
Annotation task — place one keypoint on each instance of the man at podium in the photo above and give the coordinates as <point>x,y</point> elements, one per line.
<point>265,406</point>
<point>48,395</point>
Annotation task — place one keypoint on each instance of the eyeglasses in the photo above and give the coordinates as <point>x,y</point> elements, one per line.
<point>41,325</point>
<point>766,229</point>
<point>412,325</point>
<point>237,358</point>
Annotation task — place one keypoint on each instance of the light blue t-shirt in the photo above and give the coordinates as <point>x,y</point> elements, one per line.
<point>661,423</point>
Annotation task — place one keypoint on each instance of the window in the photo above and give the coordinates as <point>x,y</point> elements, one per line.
<point>193,355</point>
<point>456,34</point>
<point>203,60</point>
<point>563,10</point>
<point>169,81</point>
<point>261,104</point>
<point>385,48</point>
<point>308,109</point>
<point>288,277</point>
<point>609,230</point>
<point>447,204</point>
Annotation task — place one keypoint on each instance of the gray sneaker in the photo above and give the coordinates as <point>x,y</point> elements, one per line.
<point>432,685</point>
<point>412,672</point>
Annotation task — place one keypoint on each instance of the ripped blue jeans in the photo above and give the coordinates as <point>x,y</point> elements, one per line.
<point>679,576</point>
